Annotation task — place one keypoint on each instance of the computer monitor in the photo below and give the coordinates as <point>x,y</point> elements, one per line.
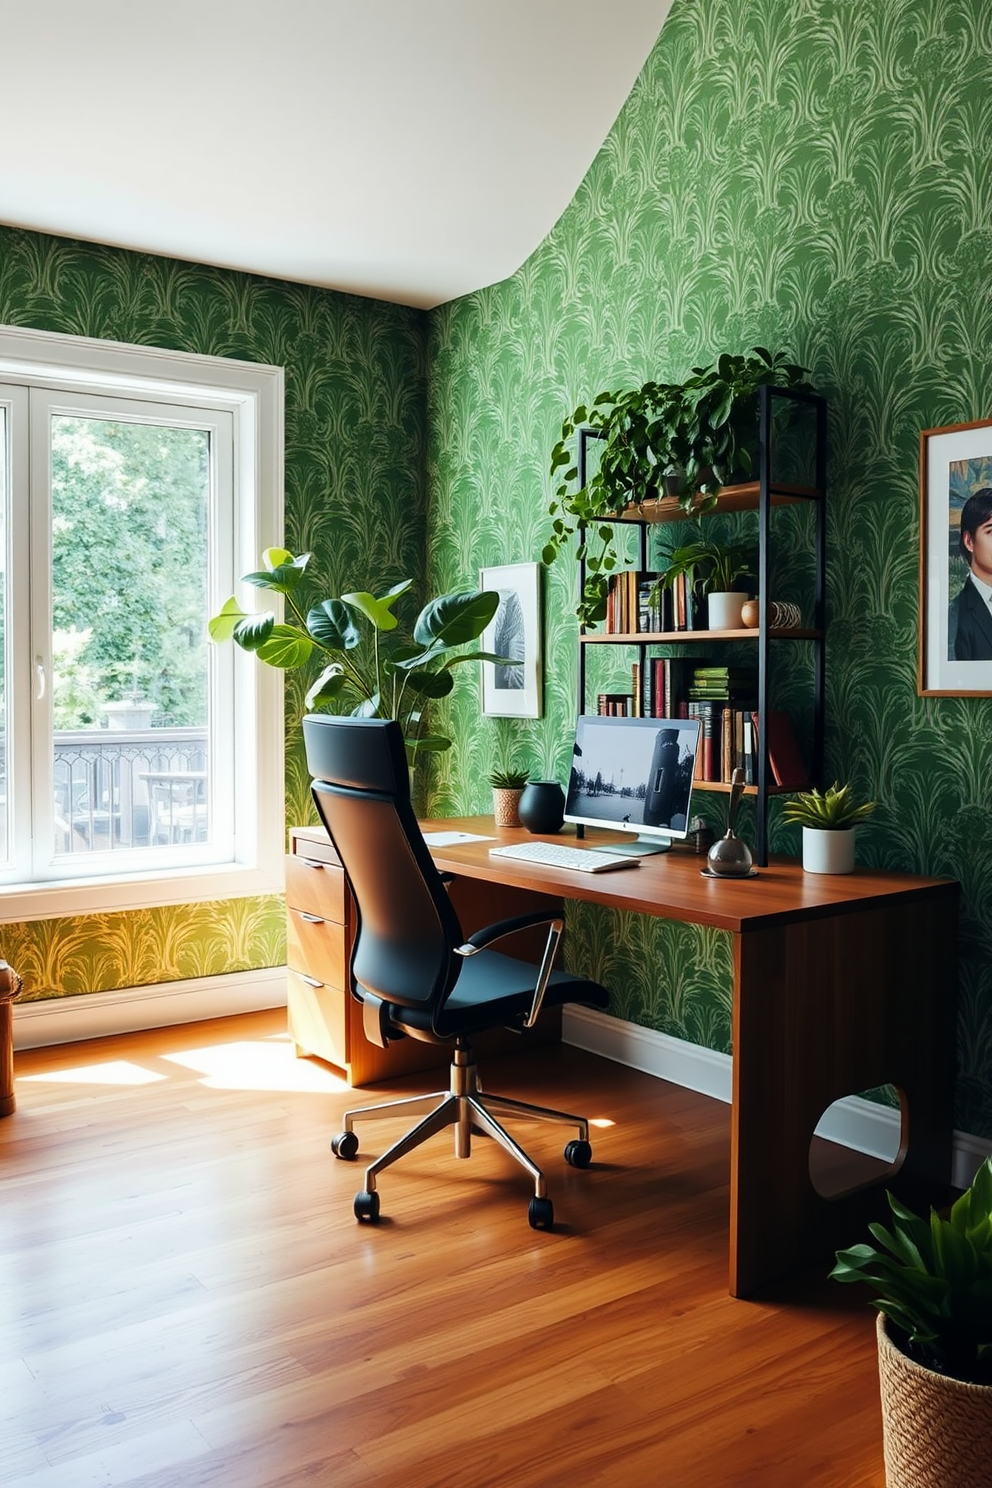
<point>634,775</point>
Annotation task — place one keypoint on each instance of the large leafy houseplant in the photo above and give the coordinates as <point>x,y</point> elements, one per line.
<point>369,666</point>
<point>932,1279</point>
<point>687,438</point>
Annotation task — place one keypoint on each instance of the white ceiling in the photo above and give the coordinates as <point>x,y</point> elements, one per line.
<point>414,150</point>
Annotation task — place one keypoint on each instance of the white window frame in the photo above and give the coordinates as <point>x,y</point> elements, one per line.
<point>253,394</point>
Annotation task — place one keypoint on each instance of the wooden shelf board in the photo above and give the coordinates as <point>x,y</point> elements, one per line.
<point>749,790</point>
<point>729,499</point>
<point>656,637</point>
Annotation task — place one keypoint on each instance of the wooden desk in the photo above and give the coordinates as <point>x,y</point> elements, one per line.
<point>841,983</point>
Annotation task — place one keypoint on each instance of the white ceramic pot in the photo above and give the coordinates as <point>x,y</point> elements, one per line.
<point>828,852</point>
<point>724,611</point>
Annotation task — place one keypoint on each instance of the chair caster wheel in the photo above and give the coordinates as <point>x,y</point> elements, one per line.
<point>345,1146</point>
<point>541,1214</point>
<point>578,1154</point>
<point>367,1207</point>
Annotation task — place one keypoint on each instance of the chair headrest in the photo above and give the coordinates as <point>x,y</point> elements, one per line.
<point>361,753</point>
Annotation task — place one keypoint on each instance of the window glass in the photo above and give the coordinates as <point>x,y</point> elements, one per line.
<point>129,605</point>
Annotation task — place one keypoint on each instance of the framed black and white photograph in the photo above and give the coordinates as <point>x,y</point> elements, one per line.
<point>956,561</point>
<point>512,689</point>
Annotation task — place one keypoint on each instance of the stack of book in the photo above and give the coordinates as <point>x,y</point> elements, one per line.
<point>723,699</point>
<point>633,603</point>
<point>636,604</point>
<point>722,683</point>
<point>616,704</point>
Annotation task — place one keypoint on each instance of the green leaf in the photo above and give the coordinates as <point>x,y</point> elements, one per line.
<point>426,683</point>
<point>286,648</point>
<point>284,575</point>
<point>430,744</point>
<point>253,631</point>
<point>221,626</point>
<point>328,685</point>
<point>379,610</point>
<point>332,624</point>
<point>455,619</point>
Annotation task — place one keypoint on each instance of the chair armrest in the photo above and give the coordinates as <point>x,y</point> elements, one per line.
<point>491,933</point>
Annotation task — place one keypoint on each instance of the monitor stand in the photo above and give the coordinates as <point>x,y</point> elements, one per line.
<point>641,847</point>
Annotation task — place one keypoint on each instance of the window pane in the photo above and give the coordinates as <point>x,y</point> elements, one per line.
<point>130,516</point>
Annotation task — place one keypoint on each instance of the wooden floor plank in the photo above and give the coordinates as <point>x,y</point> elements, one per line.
<point>187,1302</point>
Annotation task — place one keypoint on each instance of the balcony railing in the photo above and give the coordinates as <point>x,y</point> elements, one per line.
<point>130,788</point>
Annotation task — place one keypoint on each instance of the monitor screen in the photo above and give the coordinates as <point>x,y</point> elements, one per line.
<point>633,775</point>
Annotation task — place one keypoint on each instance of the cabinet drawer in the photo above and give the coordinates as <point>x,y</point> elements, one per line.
<point>317,1019</point>
<point>315,947</point>
<point>317,888</point>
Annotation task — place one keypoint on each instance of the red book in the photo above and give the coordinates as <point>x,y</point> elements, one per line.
<point>784,758</point>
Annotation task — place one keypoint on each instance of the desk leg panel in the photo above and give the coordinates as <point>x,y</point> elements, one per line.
<point>823,1009</point>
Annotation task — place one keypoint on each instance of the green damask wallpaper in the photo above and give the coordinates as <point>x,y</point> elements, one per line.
<point>811,175</point>
<point>355,443</point>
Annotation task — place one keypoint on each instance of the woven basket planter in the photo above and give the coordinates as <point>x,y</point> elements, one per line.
<point>506,806</point>
<point>937,1432</point>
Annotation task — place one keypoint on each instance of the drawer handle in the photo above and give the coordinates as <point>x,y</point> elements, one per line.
<point>311,863</point>
<point>310,981</point>
<point>311,919</point>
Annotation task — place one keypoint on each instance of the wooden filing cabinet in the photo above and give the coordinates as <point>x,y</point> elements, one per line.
<point>324,1019</point>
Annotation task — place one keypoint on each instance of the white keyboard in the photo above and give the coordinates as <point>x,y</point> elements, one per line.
<point>558,855</point>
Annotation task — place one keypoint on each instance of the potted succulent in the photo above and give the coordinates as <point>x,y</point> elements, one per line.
<point>508,787</point>
<point>687,439</point>
<point>932,1281</point>
<point>367,662</point>
<point>715,569</point>
<point>827,820</point>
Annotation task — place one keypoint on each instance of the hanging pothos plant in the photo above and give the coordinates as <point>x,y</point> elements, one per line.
<point>683,439</point>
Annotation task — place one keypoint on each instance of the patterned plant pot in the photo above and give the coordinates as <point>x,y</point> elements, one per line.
<point>936,1431</point>
<point>506,806</point>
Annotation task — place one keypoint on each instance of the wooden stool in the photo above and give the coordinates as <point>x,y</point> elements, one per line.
<point>10,986</point>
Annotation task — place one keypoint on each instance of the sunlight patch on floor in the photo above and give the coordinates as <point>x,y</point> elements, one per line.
<point>113,1072</point>
<point>270,1065</point>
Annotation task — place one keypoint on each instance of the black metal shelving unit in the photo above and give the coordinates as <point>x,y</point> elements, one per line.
<point>762,496</point>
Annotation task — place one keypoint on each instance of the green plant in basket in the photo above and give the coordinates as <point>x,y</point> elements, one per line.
<point>833,809</point>
<point>509,779</point>
<point>933,1279</point>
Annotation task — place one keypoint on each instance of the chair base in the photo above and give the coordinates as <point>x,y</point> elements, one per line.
<point>465,1107</point>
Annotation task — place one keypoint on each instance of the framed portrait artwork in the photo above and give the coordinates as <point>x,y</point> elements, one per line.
<point>956,561</point>
<point>512,689</point>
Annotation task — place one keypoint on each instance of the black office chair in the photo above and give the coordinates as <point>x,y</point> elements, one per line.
<point>413,970</point>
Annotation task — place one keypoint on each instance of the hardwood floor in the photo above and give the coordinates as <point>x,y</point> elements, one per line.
<point>187,1301</point>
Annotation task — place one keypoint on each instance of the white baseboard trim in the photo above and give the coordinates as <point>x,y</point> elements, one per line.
<point>67,1020</point>
<point>852,1122</point>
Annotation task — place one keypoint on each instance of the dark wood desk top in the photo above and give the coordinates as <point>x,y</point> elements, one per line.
<point>671,885</point>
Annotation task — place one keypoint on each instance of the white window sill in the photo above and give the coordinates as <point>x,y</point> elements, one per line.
<point>83,896</point>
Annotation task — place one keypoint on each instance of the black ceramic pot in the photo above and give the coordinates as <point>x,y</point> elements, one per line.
<point>542,806</point>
